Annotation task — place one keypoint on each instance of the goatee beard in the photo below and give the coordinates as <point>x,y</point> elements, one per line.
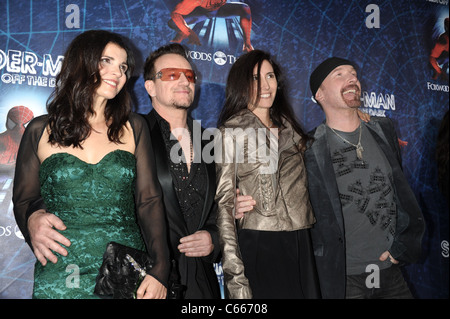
<point>356,102</point>
<point>353,104</point>
<point>181,107</point>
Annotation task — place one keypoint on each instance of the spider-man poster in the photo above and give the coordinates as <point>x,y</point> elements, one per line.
<point>439,50</point>
<point>202,16</point>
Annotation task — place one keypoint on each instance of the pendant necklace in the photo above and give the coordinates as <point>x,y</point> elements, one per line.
<point>359,148</point>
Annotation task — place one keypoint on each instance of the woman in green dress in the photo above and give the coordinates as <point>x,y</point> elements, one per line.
<point>90,161</point>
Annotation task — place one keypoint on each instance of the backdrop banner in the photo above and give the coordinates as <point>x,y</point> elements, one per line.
<point>401,48</point>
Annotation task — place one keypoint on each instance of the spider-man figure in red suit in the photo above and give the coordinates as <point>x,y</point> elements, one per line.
<point>192,11</point>
<point>17,118</point>
<point>440,51</point>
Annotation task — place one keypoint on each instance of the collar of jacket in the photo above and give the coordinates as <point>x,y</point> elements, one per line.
<point>247,119</point>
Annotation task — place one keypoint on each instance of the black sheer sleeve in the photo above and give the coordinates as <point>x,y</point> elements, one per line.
<point>26,189</point>
<point>149,204</point>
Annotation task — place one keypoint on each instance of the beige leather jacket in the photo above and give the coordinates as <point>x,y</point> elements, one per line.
<point>272,171</point>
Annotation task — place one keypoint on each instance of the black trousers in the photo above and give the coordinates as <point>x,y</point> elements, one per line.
<point>279,265</point>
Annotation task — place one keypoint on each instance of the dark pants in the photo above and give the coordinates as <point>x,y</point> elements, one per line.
<point>392,285</point>
<point>279,264</point>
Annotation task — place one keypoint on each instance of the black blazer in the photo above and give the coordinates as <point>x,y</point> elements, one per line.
<point>177,226</point>
<point>328,233</point>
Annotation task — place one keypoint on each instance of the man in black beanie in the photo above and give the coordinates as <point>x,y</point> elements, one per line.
<point>368,219</point>
<point>322,71</point>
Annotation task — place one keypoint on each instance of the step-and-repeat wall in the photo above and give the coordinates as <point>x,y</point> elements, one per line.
<point>401,47</point>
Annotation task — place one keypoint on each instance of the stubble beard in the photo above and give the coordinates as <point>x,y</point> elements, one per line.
<point>182,103</point>
<point>181,106</point>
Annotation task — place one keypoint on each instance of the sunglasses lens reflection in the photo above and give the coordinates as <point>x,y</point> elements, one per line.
<point>174,74</point>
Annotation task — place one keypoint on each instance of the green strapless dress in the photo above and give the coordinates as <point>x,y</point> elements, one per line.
<point>96,203</point>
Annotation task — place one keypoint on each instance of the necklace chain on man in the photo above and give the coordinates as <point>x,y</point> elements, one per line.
<point>359,148</point>
<point>191,146</point>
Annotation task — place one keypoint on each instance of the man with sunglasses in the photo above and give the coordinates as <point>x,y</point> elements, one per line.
<point>188,183</point>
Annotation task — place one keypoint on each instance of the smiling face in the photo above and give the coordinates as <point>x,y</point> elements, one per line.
<point>178,94</point>
<point>268,86</point>
<point>112,68</point>
<point>340,88</point>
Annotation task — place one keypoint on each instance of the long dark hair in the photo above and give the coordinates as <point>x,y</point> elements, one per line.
<point>238,92</point>
<point>70,104</point>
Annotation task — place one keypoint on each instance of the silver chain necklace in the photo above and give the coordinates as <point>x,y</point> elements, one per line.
<point>359,148</point>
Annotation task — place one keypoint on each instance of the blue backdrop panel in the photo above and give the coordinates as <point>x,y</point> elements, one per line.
<point>391,41</point>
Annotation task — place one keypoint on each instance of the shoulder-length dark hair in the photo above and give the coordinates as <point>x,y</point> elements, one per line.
<point>71,103</point>
<point>239,91</point>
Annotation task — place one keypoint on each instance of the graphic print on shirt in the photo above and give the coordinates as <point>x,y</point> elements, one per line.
<point>367,187</point>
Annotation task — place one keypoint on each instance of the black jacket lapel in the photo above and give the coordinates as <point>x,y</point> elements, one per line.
<point>173,210</point>
<point>321,151</point>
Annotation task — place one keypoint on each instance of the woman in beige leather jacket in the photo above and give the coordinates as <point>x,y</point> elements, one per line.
<point>267,253</point>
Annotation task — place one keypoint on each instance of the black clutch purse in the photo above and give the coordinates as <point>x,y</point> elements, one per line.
<point>121,272</point>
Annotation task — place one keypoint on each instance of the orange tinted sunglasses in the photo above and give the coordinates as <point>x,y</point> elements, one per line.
<point>173,74</point>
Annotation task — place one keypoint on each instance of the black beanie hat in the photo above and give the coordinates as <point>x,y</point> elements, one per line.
<point>322,71</point>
